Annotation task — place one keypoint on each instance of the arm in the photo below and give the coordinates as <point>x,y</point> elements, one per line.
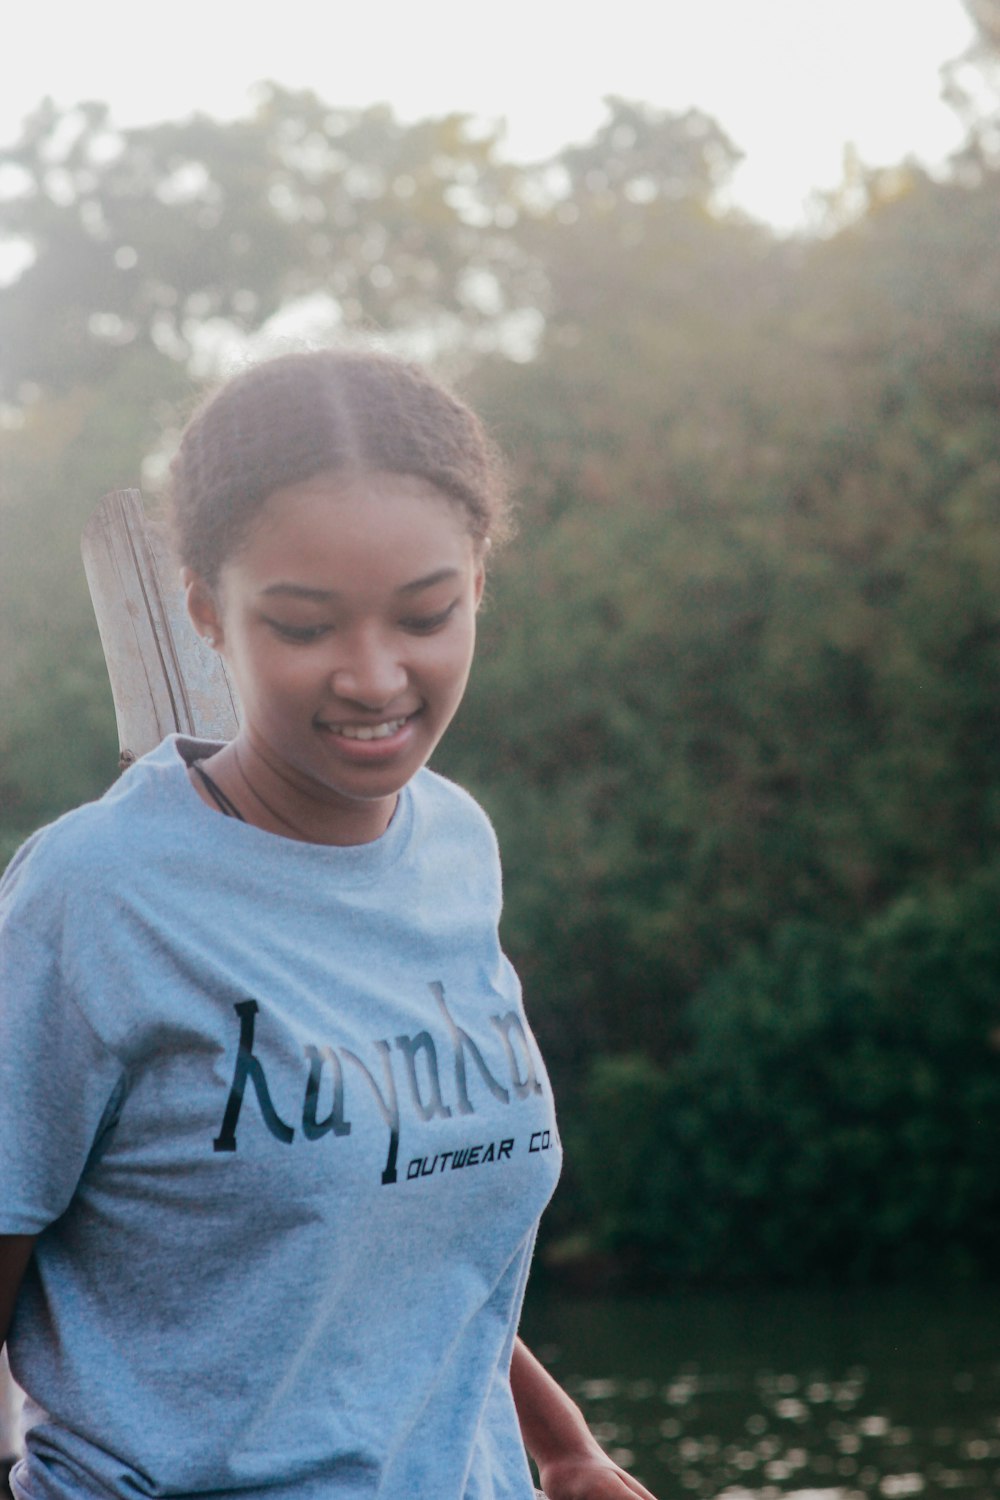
<point>571,1463</point>
<point>15,1253</point>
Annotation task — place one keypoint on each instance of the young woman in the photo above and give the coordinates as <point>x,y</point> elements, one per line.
<point>275,1134</point>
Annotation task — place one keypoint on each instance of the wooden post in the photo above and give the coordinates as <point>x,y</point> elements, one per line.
<point>163,677</point>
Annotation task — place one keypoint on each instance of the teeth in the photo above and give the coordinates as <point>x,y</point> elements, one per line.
<point>369,731</point>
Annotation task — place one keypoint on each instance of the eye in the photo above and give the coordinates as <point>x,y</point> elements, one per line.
<point>427,624</point>
<point>301,634</point>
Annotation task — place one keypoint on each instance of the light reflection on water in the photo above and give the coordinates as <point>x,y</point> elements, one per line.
<point>831,1396</point>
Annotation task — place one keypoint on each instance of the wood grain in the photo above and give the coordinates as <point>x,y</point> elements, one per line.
<point>163,676</point>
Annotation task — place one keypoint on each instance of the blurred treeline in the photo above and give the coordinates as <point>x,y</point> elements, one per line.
<point>736,708</point>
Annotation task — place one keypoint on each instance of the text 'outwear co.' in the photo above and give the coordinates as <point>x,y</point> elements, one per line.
<point>476,1156</point>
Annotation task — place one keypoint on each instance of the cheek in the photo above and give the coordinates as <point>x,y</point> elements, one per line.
<point>451,664</point>
<point>265,671</point>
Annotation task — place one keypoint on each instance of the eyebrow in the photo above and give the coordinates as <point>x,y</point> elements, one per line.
<point>301,591</point>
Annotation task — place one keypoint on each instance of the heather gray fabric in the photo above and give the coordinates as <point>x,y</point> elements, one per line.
<point>276,1114</point>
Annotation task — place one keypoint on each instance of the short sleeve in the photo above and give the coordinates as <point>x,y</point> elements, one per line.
<point>58,1080</point>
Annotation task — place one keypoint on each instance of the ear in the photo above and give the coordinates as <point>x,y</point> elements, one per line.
<point>203,608</point>
<point>479,583</point>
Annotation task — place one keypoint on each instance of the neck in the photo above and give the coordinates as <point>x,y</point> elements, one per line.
<point>269,798</point>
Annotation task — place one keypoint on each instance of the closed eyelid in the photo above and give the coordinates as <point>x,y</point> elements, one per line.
<point>297,632</point>
<point>428,622</point>
<point>309,632</point>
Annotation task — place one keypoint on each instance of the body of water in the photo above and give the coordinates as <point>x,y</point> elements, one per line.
<point>762,1396</point>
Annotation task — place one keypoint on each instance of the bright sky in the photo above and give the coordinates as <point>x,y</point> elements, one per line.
<point>792,81</point>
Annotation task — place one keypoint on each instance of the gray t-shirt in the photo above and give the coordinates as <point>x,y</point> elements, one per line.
<point>275,1112</point>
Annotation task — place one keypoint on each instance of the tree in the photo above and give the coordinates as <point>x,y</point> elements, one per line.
<point>144,236</point>
<point>972,88</point>
<point>833,1118</point>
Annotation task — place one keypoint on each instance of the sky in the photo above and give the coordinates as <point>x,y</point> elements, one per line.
<point>791,81</point>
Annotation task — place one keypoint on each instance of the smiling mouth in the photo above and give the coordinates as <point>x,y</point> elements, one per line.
<point>381,731</point>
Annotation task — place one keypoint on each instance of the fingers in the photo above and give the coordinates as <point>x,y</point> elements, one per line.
<point>604,1481</point>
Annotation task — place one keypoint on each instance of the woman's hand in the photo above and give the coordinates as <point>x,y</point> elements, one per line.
<point>589,1477</point>
<point>571,1463</point>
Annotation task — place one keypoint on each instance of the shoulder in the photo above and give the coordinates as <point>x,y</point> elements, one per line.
<point>453,861</point>
<point>449,805</point>
<point>455,839</point>
<point>97,846</point>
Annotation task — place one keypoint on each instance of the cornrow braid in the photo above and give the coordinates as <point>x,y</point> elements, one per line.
<point>288,419</point>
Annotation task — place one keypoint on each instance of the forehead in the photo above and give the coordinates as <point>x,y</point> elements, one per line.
<point>368,525</point>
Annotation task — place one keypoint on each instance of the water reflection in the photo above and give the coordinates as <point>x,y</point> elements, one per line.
<point>817,1397</point>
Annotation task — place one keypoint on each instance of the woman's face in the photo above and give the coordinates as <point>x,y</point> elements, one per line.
<point>347,619</point>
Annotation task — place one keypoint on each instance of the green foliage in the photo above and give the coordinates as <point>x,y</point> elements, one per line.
<point>835,1114</point>
<point>742,666</point>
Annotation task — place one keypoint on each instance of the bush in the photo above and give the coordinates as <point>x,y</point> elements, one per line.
<point>836,1113</point>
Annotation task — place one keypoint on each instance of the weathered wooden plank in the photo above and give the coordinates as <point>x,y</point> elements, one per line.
<point>163,676</point>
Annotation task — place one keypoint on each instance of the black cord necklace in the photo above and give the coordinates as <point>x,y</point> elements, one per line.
<point>223,803</point>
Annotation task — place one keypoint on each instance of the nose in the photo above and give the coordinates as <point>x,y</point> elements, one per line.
<point>369,672</point>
